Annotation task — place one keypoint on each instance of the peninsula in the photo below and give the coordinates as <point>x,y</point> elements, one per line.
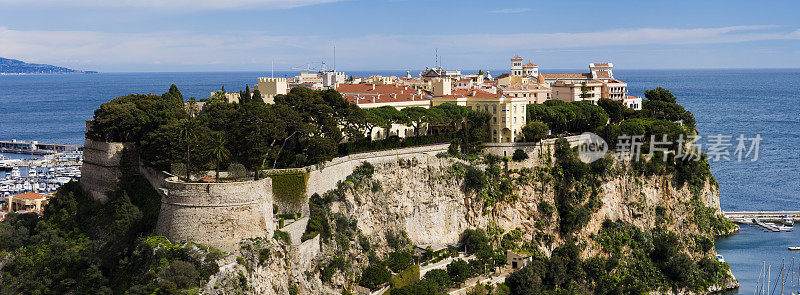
<point>17,67</point>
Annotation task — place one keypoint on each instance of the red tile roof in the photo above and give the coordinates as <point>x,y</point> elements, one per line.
<point>378,89</point>
<point>602,74</point>
<point>502,76</point>
<point>566,75</point>
<point>529,64</point>
<point>382,98</point>
<point>31,196</point>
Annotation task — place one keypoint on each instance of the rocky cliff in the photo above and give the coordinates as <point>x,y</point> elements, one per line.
<point>426,198</point>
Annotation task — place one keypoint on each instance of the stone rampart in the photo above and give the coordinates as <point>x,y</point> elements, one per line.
<point>103,164</point>
<point>215,214</point>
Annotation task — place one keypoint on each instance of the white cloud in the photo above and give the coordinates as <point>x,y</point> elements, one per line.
<point>253,50</point>
<point>511,10</point>
<point>169,4</point>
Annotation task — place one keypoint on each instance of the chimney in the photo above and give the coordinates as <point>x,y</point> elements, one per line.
<point>473,93</point>
<point>373,87</point>
<point>373,99</point>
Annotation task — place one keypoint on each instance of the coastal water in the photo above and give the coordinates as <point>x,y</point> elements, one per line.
<point>53,108</point>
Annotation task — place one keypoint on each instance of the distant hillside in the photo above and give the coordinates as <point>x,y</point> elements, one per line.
<point>13,66</point>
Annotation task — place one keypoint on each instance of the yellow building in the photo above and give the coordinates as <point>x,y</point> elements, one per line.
<point>508,113</point>
<point>512,79</point>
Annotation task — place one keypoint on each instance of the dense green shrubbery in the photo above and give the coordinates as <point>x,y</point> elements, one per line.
<point>301,128</point>
<point>394,142</point>
<point>318,221</point>
<point>375,275</point>
<point>519,155</point>
<point>405,277</point>
<point>82,246</point>
<point>399,260</point>
<point>535,131</point>
<point>568,117</point>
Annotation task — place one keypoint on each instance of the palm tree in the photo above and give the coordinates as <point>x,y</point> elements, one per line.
<point>187,127</point>
<point>220,152</point>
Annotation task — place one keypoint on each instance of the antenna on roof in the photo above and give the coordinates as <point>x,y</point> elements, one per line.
<point>273,69</point>
<point>334,56</point>
<point>436,57</point>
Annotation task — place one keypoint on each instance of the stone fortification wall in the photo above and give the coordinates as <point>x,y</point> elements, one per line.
<point>324,177</point>
<point>507,149</point>
<point>103,163</point>
<point>215,214</point>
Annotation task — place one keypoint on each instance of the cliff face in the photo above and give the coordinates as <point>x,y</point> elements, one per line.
<point>425,198</point>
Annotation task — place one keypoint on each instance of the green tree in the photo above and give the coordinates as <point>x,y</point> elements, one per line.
<point>374,275</point>
<point>585,91</point>
<point>220,152</point>
<point>613,108</point>
<point>399,260</point>
<point>535,131</point>
<point>474,179</point>
<point>660,94</point>
<point>519,155</point>
<point>416,117</point>
<point>257,96</point>
<point>187,132</point>
<point>459,271</point>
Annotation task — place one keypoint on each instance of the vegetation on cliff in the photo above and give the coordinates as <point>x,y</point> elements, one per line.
<point>81,246</point>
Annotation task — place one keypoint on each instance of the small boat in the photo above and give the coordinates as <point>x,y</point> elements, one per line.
<point>720,258</point>
<point>788,222</point>
<point>794,248</point>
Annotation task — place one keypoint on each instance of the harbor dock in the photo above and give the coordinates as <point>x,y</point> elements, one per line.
<point>775,221</point>
<point>36,148</point>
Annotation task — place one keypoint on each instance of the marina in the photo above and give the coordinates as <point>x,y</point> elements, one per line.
<point>42,174</point>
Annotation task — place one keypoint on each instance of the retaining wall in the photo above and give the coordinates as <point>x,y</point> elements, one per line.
<point>324,177</point>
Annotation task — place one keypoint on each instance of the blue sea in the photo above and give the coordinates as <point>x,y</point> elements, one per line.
<point>53,108</point>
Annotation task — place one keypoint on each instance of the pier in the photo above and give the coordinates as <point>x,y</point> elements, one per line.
<point>775,221</point>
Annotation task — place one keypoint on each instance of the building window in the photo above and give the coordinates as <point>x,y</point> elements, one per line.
<point>494,109</point>
<point>495,120</point>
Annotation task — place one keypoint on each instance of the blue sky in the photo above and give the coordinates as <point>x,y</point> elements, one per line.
<point>233,35</point>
